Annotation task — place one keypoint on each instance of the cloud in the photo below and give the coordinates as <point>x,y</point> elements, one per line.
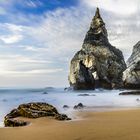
<point>10,39</point>
<point>29,73</point>
<point>54,39</point>
<point>121,7</point>
<point>10,33</point>
<point>60,31</point>
<point>33,4</point>
<point>22,66</point>
<point>2,11</point>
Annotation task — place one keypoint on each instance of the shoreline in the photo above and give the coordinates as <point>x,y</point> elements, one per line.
<point>78,114</point>
<point>108,125</point>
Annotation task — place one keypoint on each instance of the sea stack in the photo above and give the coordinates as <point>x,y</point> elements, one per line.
<point>132,73</point>
<point>98,64</point>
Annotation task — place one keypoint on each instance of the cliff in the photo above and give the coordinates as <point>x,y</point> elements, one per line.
<point>98,64</point>
<point>132,73</point>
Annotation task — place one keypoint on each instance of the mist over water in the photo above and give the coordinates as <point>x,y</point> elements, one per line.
<point>97,100</point>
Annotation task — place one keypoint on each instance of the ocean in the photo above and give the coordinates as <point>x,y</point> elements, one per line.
<point>97,100</point>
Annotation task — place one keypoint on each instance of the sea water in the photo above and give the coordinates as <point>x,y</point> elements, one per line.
<point>97,100</point>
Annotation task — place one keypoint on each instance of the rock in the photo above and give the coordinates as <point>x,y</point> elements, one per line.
<point>68,89</point>
<point>36,110</point>
<point>32,110</point>
<point>14,123</point>
<point>131,75</point>
<point>83,95</point>
<point>4,100</point>
<point>130,93</point>
<point>79,106</point>
<point>66,106</point>
<point>86,95</point>
<point>45,92</point>
<point>13,114</point>
<point>98,64</point>
<point>137,99</point>
<point>62,117</point>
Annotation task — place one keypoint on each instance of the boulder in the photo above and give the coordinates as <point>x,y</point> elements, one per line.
<point>32,110</point>
<point>45,92</point>
<point>98,64</point>
<point>131,75</point>
<point>62,117</point>
<point>65,106</point>
<point>79,106</point>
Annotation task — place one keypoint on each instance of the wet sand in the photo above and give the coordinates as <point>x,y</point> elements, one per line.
<point>113,125</point>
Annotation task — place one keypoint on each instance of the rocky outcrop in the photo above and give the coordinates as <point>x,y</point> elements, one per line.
<point>98,63</point>
<point>132,73</point>
<point>130,93</point>
<point>32,110</point>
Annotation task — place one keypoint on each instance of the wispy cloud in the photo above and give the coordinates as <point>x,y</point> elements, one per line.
<point>10,39</point>
<point>33,4</point>
<point>121,7</point>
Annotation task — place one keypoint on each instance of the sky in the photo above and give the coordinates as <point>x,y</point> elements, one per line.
<point>38,38</point>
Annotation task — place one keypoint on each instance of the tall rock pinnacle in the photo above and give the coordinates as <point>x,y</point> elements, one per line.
<point>97,14</point>
<point>97,32</point>
<point>98,63</point>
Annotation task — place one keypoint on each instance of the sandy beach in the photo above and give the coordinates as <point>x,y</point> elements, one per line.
<point>113,125</point>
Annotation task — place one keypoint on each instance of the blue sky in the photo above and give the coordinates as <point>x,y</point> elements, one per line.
<point>39,6</point>
<point>38,38</point>
<point>31,7</point>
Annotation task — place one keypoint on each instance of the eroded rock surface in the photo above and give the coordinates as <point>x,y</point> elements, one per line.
<point>98,63</point>
<point>132,73</point>
<point>32,110</point>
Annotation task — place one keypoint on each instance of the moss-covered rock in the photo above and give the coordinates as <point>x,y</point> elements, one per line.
<point>14,123</point>
<point>32,110</point>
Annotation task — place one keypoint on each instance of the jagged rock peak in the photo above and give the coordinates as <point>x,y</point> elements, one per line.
<point>97,14</point>
<point>97,19</point>
<point>97,33</point>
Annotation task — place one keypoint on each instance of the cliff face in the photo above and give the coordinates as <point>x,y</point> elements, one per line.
<point>132,73</point>
<point>98,63</point>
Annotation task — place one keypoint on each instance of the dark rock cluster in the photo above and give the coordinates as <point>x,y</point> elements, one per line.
<point>32,110</point>
<point>98,64</point>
